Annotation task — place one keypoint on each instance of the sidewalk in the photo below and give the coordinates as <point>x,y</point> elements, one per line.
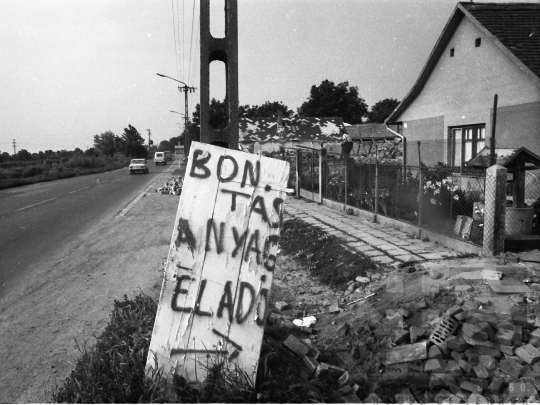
<point>384,245</point>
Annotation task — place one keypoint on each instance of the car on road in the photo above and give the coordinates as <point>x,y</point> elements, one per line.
<point>160,159</point>
<point>138,165</point>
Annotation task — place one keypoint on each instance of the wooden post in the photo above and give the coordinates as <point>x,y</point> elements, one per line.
<point>323,173</point>
<point>420,187</point>
<point>518,183</point>
<point>376,208</point>
<point>346,180</point>
<point>298,170</point>
<point>312,175</point>
<point>493,127</point>
<point>495,210</point>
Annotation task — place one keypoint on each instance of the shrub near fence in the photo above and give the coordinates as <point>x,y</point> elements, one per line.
<point>394,191</point>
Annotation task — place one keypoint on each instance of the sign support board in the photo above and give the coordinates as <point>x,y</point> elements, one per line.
<point>216,287</point>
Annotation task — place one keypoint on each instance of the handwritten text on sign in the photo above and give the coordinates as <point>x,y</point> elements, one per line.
<point>215,292</point>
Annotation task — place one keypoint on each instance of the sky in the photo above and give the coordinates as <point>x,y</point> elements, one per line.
<point>72,69</point>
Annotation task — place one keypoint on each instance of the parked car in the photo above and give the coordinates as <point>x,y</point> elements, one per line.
<point>160,159</point>
<point>138,165</point>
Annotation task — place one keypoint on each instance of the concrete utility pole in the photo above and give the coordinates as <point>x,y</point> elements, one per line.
<point>225,50</point>
<point>149,141</point>
<point>14,147</point>
<point>186,89</point>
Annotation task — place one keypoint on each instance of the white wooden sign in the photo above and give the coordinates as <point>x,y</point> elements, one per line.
<point>215,293</point>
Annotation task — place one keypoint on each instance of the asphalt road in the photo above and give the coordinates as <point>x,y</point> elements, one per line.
<point>36,220</point>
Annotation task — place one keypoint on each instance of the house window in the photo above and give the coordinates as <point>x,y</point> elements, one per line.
<point>477,42</point>
<point>465,143</point>
<point>451,52</point>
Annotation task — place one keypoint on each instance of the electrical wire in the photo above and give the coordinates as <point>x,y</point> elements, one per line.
<point>175,38</point>
<point>191,38</point>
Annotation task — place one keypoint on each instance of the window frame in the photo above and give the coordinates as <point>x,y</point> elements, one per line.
<point>478,137</point>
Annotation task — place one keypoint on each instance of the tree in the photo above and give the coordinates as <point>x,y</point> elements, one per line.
<point>165,145</point>
<point>23,154</point>
<point>268,109</point>
<point>381,110</point>
<point>106,143</point>
<point>329,100</point>
<point>133,143</point>
<point>4,157</point>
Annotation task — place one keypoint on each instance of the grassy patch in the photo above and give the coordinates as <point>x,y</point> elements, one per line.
<point>113,369</point>
<point>323,254</point>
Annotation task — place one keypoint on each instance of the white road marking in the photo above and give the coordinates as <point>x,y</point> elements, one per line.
<point>33,205</point>
<point>84,188</point>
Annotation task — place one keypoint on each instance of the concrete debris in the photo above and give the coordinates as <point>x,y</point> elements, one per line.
<point>282,305</point>
<point>172,186</point>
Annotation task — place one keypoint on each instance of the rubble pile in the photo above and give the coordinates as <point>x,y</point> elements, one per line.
<point>172,186</point>
<point>470,335</point>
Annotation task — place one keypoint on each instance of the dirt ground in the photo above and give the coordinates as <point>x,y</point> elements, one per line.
<point>69,298</point>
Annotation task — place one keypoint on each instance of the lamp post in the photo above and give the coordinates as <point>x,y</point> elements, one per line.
<point>185,88</point>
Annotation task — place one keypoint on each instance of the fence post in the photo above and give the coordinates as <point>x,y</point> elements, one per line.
<point>376,208</point>
<point>312,175</point>
<point>323,165</point>
<point>346,180</point>
<point>495,210</point>
<point>420,187</point>
<point>298,170</point>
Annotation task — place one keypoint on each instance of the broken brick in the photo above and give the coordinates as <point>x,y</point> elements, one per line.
<point>310,363</point>
<point>325,370</point>
<point>461,316</point>
<point>529,353</point>
<point>475,398</point>
<point>511,368</point>
<point>505,337</point>
<point>519,335</point>
<point>434,352</point>
<point>457,356</point>
<point>535,333</point>
<point>488,361</point>
<point>400,335</point>
<point>474,331</point>
<point>434,366</point>
<point>441,380</point>
<point>446,397</point>
<point>469,386</point>
<point>456,309</point>
<point>282,305</point>
<point>505,349</point>
<point>465,366</point>
<point>407,353</point>
<point>496,385</point>
<point>481,371</point>
<point>405,397</point>
<point>300,348</point>
<point>420,305</point>
<point>456,343</point>
<point>481,382</point>
<point>415,332</point>
<point>535,342</point>
<point>372,399</point>
<point>488,351</point>
<point>453,368</point>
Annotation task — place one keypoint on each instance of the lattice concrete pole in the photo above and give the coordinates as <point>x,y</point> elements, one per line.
<point>495,210</point>
<point>323,173</point>
<point>224,50</point>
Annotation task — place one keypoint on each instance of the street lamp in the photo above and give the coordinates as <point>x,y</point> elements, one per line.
<point>185,88</point>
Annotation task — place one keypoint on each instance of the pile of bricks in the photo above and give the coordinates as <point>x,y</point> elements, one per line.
<point>485,356</point>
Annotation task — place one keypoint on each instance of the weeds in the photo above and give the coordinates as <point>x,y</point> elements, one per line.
<point>113,369</point>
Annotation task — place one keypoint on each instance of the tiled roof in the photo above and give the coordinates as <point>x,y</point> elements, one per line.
<point>515,25</point>
<point>504,157</point>
<point>265,129</point>
<point>369,131</point>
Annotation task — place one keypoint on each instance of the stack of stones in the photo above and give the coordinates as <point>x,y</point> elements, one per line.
<point>487,354</point>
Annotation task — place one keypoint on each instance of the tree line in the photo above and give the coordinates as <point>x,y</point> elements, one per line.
<point>325,100</point>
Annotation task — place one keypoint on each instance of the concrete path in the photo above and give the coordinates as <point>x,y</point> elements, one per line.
<point>384,245</point>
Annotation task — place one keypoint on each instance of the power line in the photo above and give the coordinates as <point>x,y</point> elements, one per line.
<point>191,39</point>
<point>174,34</point>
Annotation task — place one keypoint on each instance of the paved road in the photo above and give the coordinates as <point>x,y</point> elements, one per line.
<point>36,220</point>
